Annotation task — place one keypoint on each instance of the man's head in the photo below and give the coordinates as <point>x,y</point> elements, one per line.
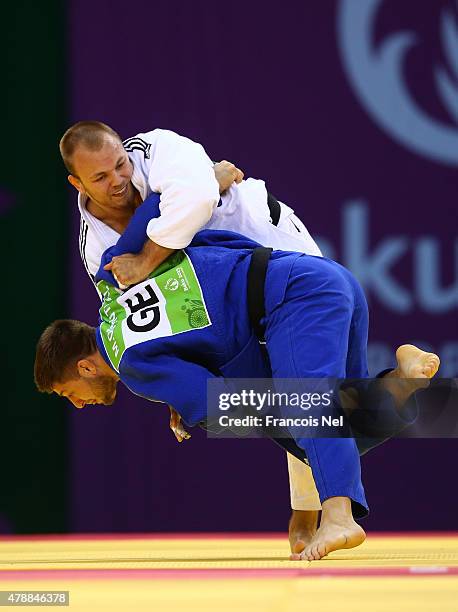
<point>99,166</point>
<point>68,363</point>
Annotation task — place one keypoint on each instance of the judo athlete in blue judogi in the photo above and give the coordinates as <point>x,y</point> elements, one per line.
<point>165,337</point>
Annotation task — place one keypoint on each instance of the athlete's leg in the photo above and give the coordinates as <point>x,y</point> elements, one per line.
<point>302,525</point>
<point>307,336</point>
<point>305,504</point>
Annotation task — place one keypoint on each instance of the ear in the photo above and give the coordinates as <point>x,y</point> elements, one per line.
<point>76,183</point>
<point>86,368</point>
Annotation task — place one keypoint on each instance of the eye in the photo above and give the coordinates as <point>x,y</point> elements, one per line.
<point>97,180</point>
<point>120,165</point>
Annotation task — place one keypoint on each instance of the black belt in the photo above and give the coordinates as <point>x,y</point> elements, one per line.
<point>255,288</point>
<point>274,208</point>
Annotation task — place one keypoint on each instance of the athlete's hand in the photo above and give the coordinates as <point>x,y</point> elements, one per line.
<point>176,426</point>
<point>226,174</point>
<point>129,269</point>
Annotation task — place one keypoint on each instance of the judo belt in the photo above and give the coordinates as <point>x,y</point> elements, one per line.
<point>274,208</point>
<point>255,288</point>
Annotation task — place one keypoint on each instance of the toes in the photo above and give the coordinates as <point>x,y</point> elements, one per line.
<point>431,366</point>
<point>295,557</point>
<point>315,553</point>
<point>322,550</point>
<point>298,546</point>
<point>307,555</point>
<point>433,361</point>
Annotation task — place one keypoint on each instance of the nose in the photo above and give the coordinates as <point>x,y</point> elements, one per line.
<point>116,179</point>
<point>78,403</point>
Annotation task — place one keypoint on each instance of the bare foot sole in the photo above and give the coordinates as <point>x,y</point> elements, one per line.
<point>332,537</point>
<point>415,363</point>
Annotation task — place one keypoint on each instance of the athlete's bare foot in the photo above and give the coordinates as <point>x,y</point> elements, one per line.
<point>338,530</point>
<point>414,371</point>
<point>302,527</point>
<point>415,363</point>
<point>334,536</point>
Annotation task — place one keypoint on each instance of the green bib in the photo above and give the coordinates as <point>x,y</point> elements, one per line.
<point>168,302</point>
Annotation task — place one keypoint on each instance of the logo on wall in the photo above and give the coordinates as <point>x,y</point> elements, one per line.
<point>377,74</point>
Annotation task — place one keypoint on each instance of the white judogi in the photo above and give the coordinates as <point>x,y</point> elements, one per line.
<point>181,171</point>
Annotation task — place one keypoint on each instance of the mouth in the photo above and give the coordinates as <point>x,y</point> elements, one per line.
<point>121,192</point>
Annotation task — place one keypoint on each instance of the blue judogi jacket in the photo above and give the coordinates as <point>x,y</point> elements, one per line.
<point>205,335</point>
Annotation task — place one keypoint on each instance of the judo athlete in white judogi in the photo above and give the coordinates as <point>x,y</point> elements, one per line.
<point>113,179</point>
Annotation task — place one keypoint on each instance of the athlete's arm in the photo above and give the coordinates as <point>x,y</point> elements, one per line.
<point>181,171</point>
<point>166,378</point>
<point>183,174</point>
<point>131,268</point>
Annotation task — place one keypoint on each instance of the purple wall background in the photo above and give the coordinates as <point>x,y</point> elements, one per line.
<point>266,88</point>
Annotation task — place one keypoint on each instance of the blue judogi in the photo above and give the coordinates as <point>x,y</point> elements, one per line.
<point>315,327</point>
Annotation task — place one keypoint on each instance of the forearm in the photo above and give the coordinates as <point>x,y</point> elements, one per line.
<point>178,224</point>
<point>130,268</point>
<point>154,254</point>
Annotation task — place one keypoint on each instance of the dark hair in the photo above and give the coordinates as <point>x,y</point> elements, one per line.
<point>89,134</point>
<point>60,347</point>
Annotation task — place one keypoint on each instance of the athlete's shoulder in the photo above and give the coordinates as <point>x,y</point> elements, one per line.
<point>144,139</point>
<point>148,141</point>
<point>143,148</point>
<point>141,142</point>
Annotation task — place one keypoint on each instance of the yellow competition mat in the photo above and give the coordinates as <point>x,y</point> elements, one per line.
<point>224,572</point>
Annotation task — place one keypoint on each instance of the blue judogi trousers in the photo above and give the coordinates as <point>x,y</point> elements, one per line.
<point>319,330</point>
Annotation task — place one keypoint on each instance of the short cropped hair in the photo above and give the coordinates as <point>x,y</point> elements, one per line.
<point>60,347</point>
<point>89,134</point>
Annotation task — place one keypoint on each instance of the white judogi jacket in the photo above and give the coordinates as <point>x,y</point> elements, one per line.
<point>181,171</point>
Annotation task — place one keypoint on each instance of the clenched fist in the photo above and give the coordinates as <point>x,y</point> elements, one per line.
<point>227,173</point>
